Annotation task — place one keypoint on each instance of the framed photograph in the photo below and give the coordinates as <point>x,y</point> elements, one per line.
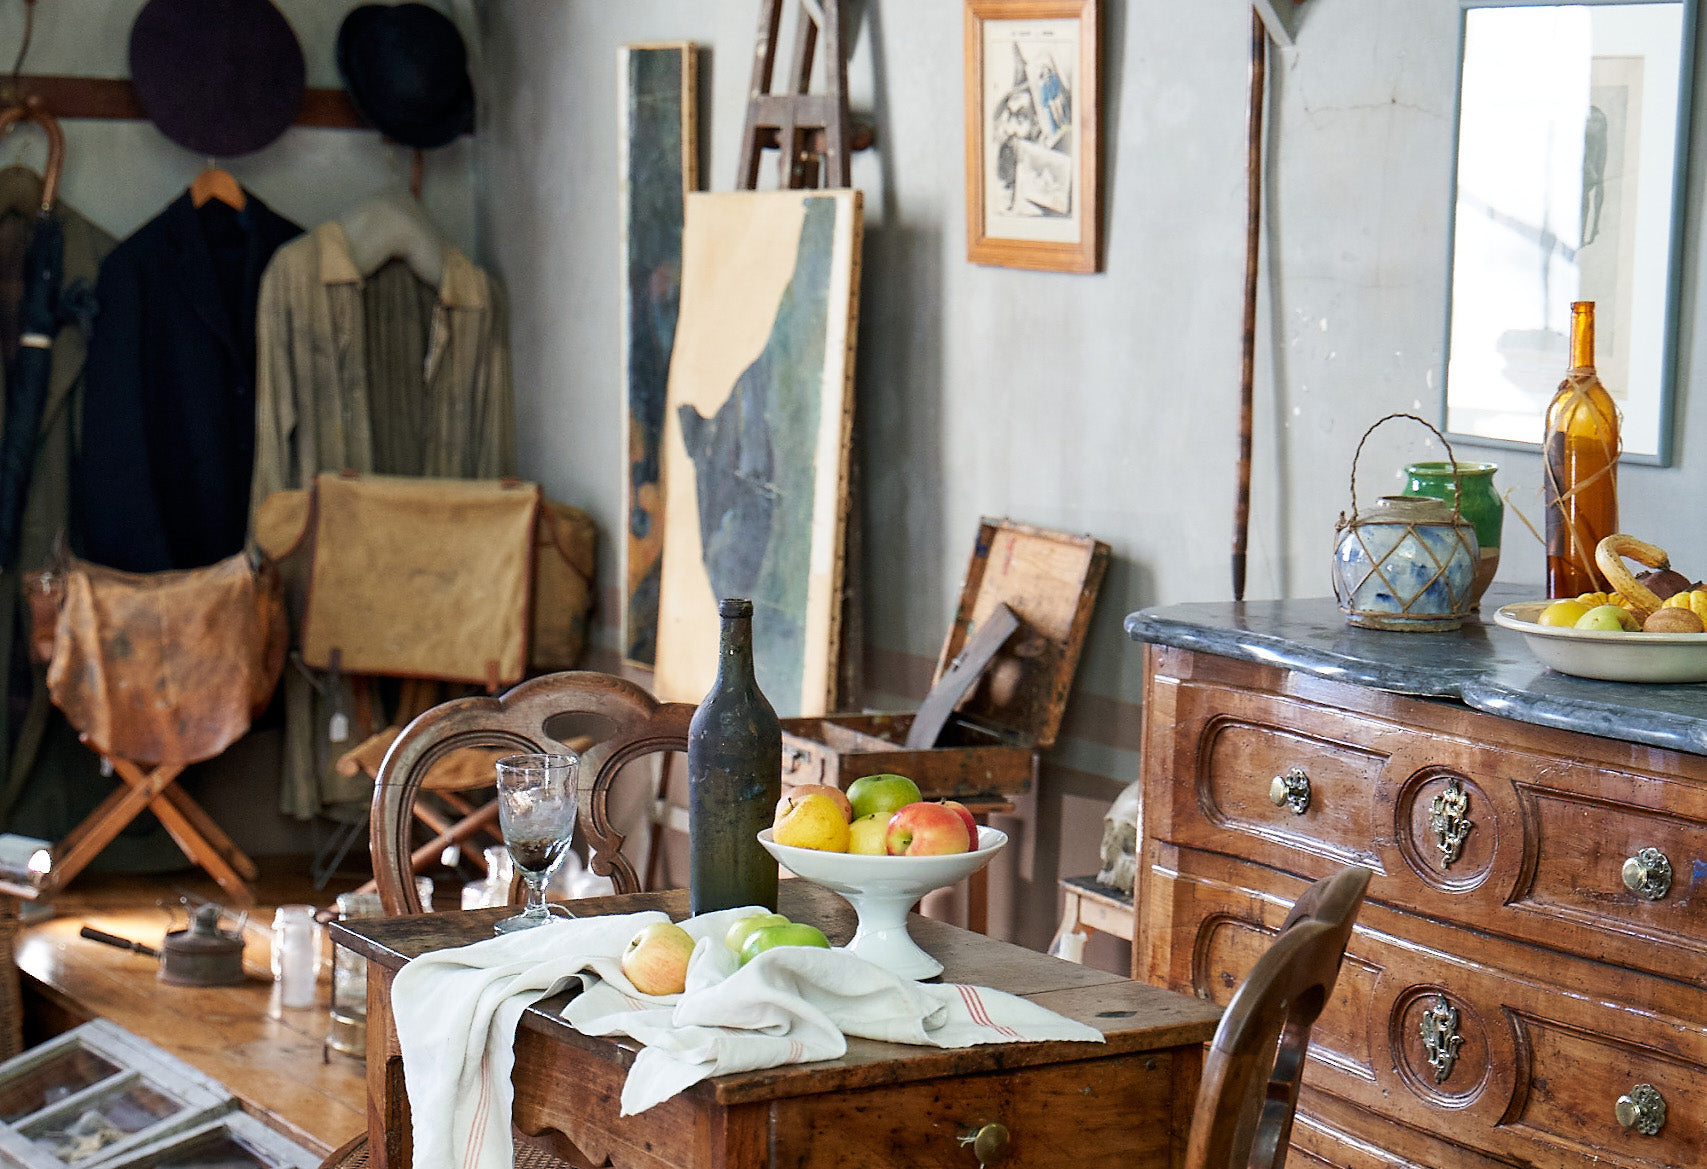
<point>1031,134</point>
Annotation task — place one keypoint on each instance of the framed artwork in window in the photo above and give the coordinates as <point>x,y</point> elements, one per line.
<point>1032,134</point>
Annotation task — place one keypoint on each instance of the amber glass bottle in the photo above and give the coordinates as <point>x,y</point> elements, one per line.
<point>1580,467</point>
<point>734,778</point>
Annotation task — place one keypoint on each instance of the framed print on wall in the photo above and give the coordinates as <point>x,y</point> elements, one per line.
<point>1031,134</point>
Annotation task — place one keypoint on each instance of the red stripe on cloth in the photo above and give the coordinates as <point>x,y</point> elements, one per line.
<point>482,1111</point>
<point>980,1013</point>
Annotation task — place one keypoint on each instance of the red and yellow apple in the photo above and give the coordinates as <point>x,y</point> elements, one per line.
<point>656,958</point>
<point>811,821</point>
<point>926,829</point>
<point>965,814</point>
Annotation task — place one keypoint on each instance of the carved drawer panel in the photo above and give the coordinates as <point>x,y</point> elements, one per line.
<point>1458,827</point>
<point>1439,1036</point>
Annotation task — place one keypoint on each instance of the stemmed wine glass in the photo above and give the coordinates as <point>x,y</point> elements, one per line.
<point>536,810</point>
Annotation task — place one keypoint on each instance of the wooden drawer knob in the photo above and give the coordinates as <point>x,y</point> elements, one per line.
<point>1643,1109</point>
<point>1648,874</point>
<point>1291,790</point>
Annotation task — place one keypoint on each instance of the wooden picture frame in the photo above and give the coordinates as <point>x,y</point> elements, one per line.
<point>1032,134</point>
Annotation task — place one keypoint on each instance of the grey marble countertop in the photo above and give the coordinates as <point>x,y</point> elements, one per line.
<point>1482,665</point>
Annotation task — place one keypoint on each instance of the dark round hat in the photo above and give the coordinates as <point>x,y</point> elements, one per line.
<point>406,70</point>
<point>219,77</point>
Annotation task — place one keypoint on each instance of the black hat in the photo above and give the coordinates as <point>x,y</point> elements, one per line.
<point>219,77</point>
<point>407,72</point>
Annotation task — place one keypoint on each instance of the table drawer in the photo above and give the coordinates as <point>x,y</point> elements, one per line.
<point>1125,1111</point>
<point>1467,829</point>
<point>1499,1052</point>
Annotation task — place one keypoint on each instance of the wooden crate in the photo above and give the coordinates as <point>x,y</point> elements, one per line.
<point>990,749</point>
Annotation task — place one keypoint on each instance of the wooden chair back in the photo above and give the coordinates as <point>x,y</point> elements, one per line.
<point>1251,1074</point>
<point>622,720</point>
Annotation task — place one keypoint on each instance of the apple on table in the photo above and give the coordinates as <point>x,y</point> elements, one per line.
<point>656,958</point>
<point>790,933</point>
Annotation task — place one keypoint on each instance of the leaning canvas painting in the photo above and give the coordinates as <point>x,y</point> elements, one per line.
<point>757,430</point>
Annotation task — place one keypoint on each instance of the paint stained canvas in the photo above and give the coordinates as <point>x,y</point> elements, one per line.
<point>756,434</point>
<point>658,156</point>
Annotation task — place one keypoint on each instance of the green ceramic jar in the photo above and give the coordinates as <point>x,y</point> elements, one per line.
<point>1478,502</point>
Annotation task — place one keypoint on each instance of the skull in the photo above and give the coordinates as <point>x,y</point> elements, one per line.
<point>1120,840</point>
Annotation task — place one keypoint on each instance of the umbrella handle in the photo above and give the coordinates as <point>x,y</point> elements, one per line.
<point>32,110</point>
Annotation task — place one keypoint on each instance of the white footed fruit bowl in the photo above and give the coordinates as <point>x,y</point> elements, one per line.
<point>882,889</point>
<point>1611,656</point>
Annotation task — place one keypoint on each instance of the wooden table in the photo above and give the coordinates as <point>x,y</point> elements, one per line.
<point>1125,1102</point>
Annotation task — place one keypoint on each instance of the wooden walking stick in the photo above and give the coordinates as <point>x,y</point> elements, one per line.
<point>1253,236</point>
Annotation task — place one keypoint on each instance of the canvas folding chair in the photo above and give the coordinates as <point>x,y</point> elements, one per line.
<point>157,671</point>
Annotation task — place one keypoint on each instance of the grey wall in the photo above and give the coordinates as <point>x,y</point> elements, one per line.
<point>1104,404</point>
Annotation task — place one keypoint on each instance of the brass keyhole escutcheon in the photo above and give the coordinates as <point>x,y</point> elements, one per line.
<point>1440,1037</point>
<point>1648,874</point>
<point>1643,1109</point>
<point>1291,790</point>
<point>1449,819</point>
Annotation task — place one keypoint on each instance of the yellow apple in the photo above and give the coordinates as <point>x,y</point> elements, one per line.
<point>813,821</point>
<point>656,959</point>
<point>1608,618</point>
<point>1563,612</point>
<point>823,789</point>
<point>865,835</point>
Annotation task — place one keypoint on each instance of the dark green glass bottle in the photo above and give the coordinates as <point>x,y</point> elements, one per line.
<point>734,778</point>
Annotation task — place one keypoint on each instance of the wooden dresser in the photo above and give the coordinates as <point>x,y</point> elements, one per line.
<point>1527,984</point>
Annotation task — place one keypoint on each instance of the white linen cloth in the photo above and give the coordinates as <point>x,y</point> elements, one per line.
<point>457,1010</point>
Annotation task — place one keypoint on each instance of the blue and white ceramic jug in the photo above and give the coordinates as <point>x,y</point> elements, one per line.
<point>1409,562</point>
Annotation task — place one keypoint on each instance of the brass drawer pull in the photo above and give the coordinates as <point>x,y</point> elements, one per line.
<point>1643,1109</point>
<point>1449,818</point>
<point>1440,1037</point>
<point>1648,874</point>
<point>1291,790</point>
<point>989,1143</point>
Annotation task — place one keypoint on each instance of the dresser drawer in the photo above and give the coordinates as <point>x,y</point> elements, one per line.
<point>1479,1043</point>
<point>1460,816</point>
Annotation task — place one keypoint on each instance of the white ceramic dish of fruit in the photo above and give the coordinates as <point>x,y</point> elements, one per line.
<point>1608,655</point>
<point>882,889</point>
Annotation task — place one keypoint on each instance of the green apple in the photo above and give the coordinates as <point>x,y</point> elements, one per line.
<point>795,933</point>
<point>1609,618</point>
<point>741,927</point>
<point>881,795</point>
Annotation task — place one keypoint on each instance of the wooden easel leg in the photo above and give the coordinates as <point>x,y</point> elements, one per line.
<point>85,842</point>
<point>155,786</point>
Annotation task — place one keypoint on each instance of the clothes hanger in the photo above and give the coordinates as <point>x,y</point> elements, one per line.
<point>391,227</point>
<point>33,111</point>
<point>215,183</point>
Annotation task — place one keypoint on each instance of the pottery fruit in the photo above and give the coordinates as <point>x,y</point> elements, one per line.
<point>1608,617</point>
<point>656,959</point>
<point>925,829</point>
<point>865,835</point>
<point>742,927</point>
<point>1695,600</point>
<point>1672,620</point>
<point>823,789</point>
<point>811,821</point>
<point>1564,612</point>
<point>1664,582</point>
<point>795,933</point>
<point>881,795</point>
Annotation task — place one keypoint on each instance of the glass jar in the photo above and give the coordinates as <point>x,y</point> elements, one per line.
<point>296,954</point>
<point>348,1029</point>
<point>1478,501</point>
